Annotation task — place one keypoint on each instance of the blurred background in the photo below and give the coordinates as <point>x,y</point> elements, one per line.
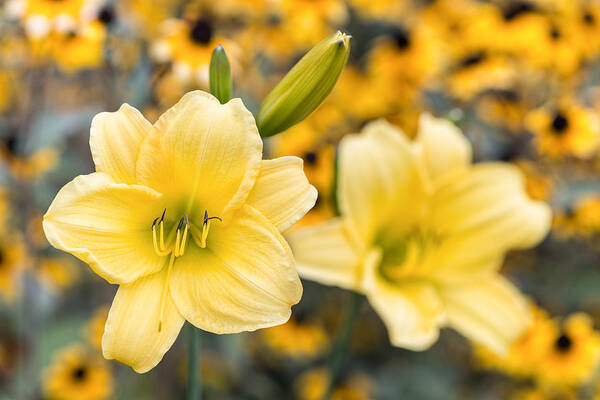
<point>520,78</point>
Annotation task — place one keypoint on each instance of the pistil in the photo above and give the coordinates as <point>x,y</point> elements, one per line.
<point>181,234</point>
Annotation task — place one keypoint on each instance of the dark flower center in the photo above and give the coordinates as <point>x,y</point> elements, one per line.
<point>310,158</point>
<point>107,15</point>
<point>563,343</point>
<point>201,32</point>
<point>80,373</point>
<point>11,143</point>
<point>402,38</point>
<point>508,95</point>
<point>560,123</point>
<point>588,18</point>
<point>273,19</point>
<point>472,60</point>
<point>516,9</point>
<point>555,33</point>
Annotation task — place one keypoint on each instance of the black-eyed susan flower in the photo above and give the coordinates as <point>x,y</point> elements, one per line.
<point>477,71</point>
<point>574,354</point>
<point>80,48</point>
<point>6,89</point>
<point>512,27</point>
<point>390,10</point>
<point>521,360</point>
<point>94,329</point>
<point>431,258</point>
<point>505,108</point>
<point>56,273</point>
<point>553,352</point>
<point>76,374</point>
<point>313,385</point>
<point>296,339</point>
<point>27,167</point>
<point>186,217</point>
<point>583,16</point>
<point>308,21</point>
<point>538,185</point>
<point>13,261</point>
<point>558,50</point>
<point>565,129</point>
<point>579,219</point>
<point>42,17</point>
<point>403,61</point>
<point>188,45</point>
<point>587,214</point>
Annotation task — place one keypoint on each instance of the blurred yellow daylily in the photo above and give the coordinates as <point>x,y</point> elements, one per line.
<point>423,234</point>
<point>186,217</point>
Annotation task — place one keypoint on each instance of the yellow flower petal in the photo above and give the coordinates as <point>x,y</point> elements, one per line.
<point>91,218</point>
<point>244,280</point>
<point>412,311</point>
<point>489,311</point>
<point>202,153</point>
<point>445,150</point>
<point>377,170</point>
<point>325,254</point>
<point>131,333</point>
<point>484,214</point>
<point>282,192</point>
<point>115,140</point>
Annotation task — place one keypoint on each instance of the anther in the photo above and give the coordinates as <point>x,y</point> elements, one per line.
<point>207,218</point>
<point>162,218</point>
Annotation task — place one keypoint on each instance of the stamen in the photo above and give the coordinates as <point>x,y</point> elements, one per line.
<point>206,228</point>
<point>165,292</point>
<point>178,239</point>
<point>162,235</point>
<point>185,234</point>
<point>157,250</point>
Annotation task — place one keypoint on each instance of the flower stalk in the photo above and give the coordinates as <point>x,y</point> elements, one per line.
<point>338,353</point>
<point>194,391</point>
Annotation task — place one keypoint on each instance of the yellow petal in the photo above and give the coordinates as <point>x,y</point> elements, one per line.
<point>325,254</point>
<point>115,140</point>
<point>378,179</point>
<point>445,150</point>
<point>282,192</point>
<point>244,280</point>
<point>489,311</point>
<point>484,214</point>
<point>412,311</point>
<point>131,333</point>
<point>107,225</point>
<point>202,153</point>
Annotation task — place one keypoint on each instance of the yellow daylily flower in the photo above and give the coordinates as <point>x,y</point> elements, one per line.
<point>186,217</point>
<point>423,233</point>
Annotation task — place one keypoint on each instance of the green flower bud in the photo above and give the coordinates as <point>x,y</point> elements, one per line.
<point>305,86</point>
<point>219,75</point>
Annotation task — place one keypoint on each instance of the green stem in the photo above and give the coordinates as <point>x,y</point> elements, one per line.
<point>338,352</point>
<point>194,378</point>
